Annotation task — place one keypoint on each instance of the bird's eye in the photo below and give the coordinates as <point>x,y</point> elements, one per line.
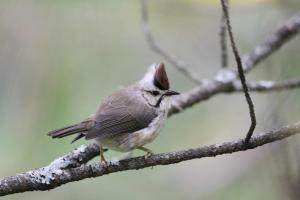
<point>153,92</point>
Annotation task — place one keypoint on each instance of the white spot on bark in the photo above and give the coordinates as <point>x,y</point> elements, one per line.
<point>266,84</point>
<point>225,76</point>
<point>114,162</point>
<point>47,174</point>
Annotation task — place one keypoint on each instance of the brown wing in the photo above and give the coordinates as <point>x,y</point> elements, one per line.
<point>123,112</point>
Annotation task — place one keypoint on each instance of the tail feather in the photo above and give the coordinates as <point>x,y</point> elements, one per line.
<point>69,130</point>
<point>78,136</point>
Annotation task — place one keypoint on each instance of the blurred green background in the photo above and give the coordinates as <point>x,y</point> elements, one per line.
<point>58,59</point>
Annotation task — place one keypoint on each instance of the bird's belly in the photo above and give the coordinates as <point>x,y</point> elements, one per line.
<point>129,141</point>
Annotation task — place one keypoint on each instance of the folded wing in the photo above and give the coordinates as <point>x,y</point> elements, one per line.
<point>123,112</point>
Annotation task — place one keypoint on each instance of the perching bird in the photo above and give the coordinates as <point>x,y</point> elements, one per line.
<point>130,118</point>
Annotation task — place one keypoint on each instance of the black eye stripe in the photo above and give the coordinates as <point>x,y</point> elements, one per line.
<point>153,92</point>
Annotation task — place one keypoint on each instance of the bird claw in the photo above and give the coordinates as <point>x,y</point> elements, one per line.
<point>148,154</point>
<point>103,163</point>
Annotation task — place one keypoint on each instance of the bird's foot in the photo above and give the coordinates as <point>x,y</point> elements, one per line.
<point>103,163</point>
<point>149,152</point>
<point>102,158</point>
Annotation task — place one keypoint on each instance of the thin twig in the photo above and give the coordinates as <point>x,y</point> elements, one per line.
<point>178,64</point>
<point>47,178</point>
<point>241,73</point>
<point>223,40</point>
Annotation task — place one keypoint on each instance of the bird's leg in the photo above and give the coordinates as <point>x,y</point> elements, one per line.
<point>102,158</point>
<point>149,152</point>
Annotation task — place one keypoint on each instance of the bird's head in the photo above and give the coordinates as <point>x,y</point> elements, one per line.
<point>156,88</point>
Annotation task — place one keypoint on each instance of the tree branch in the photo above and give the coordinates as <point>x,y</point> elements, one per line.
<point>266,86</point>
<point>240,72</point>
<point>272,43</point>
<point>225,77</point>
<point>42,177</point>
<point>56,174</point>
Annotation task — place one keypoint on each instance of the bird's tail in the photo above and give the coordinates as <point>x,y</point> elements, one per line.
<point>70,130</point>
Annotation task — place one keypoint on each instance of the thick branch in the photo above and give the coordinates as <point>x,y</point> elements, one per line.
<point>42,177</point>
<point>51,177</point>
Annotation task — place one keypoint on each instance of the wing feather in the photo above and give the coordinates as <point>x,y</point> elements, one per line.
<point>123,112</point>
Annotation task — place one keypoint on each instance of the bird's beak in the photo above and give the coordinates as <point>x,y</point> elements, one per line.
<point>171,93</point>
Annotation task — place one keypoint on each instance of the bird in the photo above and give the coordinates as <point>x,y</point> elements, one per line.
<point>128,119</point>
